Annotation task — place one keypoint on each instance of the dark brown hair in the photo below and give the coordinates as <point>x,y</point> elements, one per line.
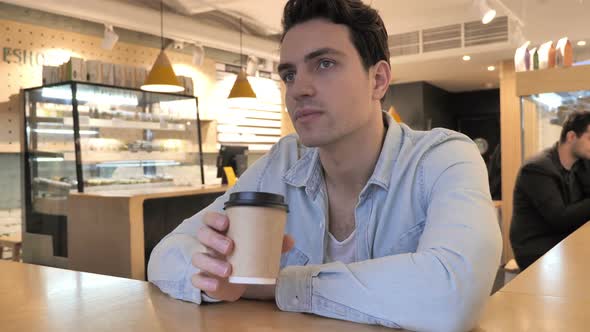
<point>577,122</point>
<point>367,31</point>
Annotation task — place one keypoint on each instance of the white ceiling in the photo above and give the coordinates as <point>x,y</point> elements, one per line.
<point>542,20</point>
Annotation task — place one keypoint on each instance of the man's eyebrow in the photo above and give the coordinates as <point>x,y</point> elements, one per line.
<point>285,66</point>
<point>310,56</point>
<point>320,52</point>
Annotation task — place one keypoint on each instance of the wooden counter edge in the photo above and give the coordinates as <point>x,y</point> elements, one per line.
<point>157,192</point>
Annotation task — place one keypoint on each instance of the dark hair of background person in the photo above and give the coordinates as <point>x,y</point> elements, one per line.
<point>577,122</point>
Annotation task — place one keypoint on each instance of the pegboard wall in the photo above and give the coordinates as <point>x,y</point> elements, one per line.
<point>25,48</point>
<point>10,125</point>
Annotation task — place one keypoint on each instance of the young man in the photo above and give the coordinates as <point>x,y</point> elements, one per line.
<point>386,225</point>
<point>552,193</point>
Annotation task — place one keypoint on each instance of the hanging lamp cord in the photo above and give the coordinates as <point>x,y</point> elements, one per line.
<point>161,25</point>
<point>241,54</point>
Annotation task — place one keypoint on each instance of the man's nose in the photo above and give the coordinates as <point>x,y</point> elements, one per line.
<point>302,86</point>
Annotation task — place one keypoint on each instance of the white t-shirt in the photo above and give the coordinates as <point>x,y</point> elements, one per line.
<point>344,251</point>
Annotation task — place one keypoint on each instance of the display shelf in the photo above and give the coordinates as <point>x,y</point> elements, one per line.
<point>89,157</point>
<point>81,130</point>
<point>86,122</point>
<point>51,206</point>
<point>552,80</point>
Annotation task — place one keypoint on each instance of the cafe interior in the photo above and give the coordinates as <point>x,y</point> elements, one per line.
<point>122,118</point>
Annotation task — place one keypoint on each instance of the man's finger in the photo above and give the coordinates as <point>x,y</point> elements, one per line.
<point>205,283</point>
<point>217,221</point>
<point>214,266</point>
<point>214,240</point>
<point>288,243</point>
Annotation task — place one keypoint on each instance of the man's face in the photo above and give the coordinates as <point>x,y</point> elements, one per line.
<point>329,93</point>
<point>581,145</point>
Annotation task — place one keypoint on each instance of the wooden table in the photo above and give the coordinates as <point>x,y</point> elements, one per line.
<point>553,294</point>
<point>108,231</point>
<point>35,298</point>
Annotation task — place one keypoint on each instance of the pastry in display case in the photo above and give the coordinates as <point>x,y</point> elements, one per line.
<point>89,138</point>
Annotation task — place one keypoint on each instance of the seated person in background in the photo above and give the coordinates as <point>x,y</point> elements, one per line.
<point>386,225</point>
<point>550,201</point>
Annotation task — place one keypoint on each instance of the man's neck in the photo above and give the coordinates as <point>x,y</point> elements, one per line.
<point>349,163</point>
<point>566,156</point>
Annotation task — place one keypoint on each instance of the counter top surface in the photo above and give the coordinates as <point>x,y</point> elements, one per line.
<point>552,295</point>
<point>157,191</point>
<point>35,298</point>
<point>563,272</point>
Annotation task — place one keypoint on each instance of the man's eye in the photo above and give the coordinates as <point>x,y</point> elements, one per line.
<point>288,77</point>
<point>325,64</point>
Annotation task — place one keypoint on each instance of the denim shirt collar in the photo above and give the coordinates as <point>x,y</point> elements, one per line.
<point>307,171</point>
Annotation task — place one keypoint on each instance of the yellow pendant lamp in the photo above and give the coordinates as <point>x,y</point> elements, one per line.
<point>394,114</point>
<point>162,77</point>
<point>241,88</point>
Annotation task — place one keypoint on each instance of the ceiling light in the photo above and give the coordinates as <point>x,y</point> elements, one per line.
<point>582,43</point>
<point>491,68</point>
<point>198,55</point>
<point>488,16</point>
<point>110,38</point>
<point>162,77</point>
<point>178,45</point>
<point>486,12</point>
<point>466,58</point>
<point>242,88</point>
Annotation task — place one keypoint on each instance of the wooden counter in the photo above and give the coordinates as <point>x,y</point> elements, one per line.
<point>563,272</point>
<point>35,298</point>
<point>113,232</point>
<point>553,294</point>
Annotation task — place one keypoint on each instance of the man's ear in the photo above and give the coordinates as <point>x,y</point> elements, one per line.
<point>571,136</point>
<point>381,75</point>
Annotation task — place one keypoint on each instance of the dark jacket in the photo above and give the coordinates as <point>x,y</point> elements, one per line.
<point>546,210</point>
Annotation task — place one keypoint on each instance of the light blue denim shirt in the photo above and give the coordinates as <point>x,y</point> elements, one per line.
<point>428,242</point>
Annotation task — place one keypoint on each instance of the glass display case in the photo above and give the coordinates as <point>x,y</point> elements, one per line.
<point>87,137</point>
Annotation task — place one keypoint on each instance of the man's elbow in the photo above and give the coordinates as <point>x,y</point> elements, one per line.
<point>462,308</point>
<point>458,312</point>
<point>447,318</point>
<point>457,325</point>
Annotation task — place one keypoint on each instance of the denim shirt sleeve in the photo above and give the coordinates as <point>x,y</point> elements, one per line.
<point>170,267</point>
<point>444,285</point>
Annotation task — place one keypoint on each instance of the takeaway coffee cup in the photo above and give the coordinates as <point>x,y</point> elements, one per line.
<point>256,225</point>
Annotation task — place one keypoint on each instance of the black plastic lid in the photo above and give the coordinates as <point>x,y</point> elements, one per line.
<point>254,198</point>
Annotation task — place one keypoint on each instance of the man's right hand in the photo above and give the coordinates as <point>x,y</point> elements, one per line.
<point>214,268</point>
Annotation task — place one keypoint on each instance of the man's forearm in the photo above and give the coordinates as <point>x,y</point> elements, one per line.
<point>412,291</point>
